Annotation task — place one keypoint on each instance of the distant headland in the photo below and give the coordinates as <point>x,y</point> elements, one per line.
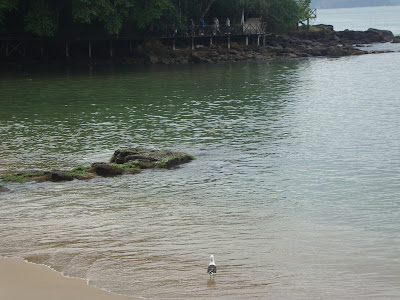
<point>352,3</point>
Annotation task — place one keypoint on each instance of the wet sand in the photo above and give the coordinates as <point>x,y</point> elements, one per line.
<point>20,280</point>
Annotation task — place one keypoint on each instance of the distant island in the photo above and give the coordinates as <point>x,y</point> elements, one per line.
<point>352,3</point>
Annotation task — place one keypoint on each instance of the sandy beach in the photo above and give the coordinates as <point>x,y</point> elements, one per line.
<point>20,280</point>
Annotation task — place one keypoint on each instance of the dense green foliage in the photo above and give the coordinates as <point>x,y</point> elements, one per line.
<point>49,18</point>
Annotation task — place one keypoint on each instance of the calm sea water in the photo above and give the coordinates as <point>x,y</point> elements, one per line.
<point>295,189</point>
<point>361,18</point>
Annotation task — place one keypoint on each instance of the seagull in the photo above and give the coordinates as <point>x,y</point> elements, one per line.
<point>212,268</point>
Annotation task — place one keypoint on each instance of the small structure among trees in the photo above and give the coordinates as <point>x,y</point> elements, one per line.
<point>30,24</point>
<point>48,18</point>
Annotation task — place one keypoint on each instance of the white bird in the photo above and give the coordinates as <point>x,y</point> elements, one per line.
<point>212,268</point>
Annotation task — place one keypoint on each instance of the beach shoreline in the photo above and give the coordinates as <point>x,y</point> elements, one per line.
<point>21,280</point>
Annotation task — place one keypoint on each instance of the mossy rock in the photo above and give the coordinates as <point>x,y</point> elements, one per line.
<point>150,158</point>
<point>22,176</point>
<point>106,170</point>
<point>123,161</point>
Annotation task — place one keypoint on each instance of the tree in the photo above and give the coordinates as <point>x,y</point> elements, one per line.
<point>283,14</point>
<point>205,7</point>
<point>113,14</point>
<point>252,7</point>
<point>40,21</point>
<point>6,6</point>
<point>305,10</point>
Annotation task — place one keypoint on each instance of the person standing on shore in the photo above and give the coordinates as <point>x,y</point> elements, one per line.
<point>228,26</point>
<point>192,27</point>
<point>216,26</point>
<point>203,26</point>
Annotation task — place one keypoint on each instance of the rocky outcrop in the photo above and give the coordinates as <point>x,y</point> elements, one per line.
<point>321,40</point>
<point>370,36</point>
<point>150,158</point>
<point>396,39</point>
<point>123,161</point>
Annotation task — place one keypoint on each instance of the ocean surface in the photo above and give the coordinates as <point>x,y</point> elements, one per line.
<point>361,18</point>
<point>295,189</point>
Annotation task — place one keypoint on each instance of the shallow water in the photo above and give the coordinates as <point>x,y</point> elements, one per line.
<point>294,189</point>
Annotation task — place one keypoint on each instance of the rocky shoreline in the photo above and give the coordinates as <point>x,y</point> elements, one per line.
<point>123,161</point>
<point>319,41</point>
<point>322,40</point>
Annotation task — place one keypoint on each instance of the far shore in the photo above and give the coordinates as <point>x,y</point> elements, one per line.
<point>20,280</point>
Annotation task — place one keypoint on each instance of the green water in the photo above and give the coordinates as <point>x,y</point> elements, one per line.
<point>294,189</point>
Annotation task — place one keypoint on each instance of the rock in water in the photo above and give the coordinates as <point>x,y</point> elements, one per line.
<point>150,157</point>
<point>123,161</point>
<point>105,170</point>
<point>3,189</point>
<point>57,176</point>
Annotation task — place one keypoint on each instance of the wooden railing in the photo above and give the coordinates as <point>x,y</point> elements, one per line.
<point>211,30</point>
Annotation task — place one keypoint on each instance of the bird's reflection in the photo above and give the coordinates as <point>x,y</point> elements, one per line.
<point>211,282</point>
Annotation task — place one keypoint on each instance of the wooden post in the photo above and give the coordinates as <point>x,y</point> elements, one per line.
<point>130,47</point>
<point>229,42</point>
<point>264,40</point>
<point>192,43</point>
<point>41,48</point>
<point>247,40</point>
<point>173,45</point>
<point>66,50</point>
<point>211,40</point>
<point>258,40</point>
<point>111,49</point>
<point>90,49</point>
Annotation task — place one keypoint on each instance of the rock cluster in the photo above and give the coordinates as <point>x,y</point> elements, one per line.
<point>321,41</point>
<point>123,161</point>
<point>365,37</point>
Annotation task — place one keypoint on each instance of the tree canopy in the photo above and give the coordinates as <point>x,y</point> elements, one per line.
<point>50,18</point>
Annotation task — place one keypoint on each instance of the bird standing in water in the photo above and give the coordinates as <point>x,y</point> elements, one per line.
<point>212,268</point>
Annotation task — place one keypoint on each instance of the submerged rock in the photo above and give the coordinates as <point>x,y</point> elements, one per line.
<point>3,189</point>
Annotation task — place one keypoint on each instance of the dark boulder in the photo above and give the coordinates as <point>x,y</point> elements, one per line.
<point>58,176</point>
<point>3,189</point>
<point>105,169</point>
<point>196,58</point>
<point>365,37</point>
<point>396,39</point>
<point>213,53</point>
<point>150,157</point>
<point>386,35</point>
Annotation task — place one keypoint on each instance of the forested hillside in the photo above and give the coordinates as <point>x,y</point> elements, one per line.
<point>57,18</point>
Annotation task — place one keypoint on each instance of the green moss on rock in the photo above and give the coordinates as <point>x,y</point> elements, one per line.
<point>21,177</point>
<point>123,161</point>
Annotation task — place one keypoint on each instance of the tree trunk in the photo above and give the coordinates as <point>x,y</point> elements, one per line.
<point>207,7</point>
